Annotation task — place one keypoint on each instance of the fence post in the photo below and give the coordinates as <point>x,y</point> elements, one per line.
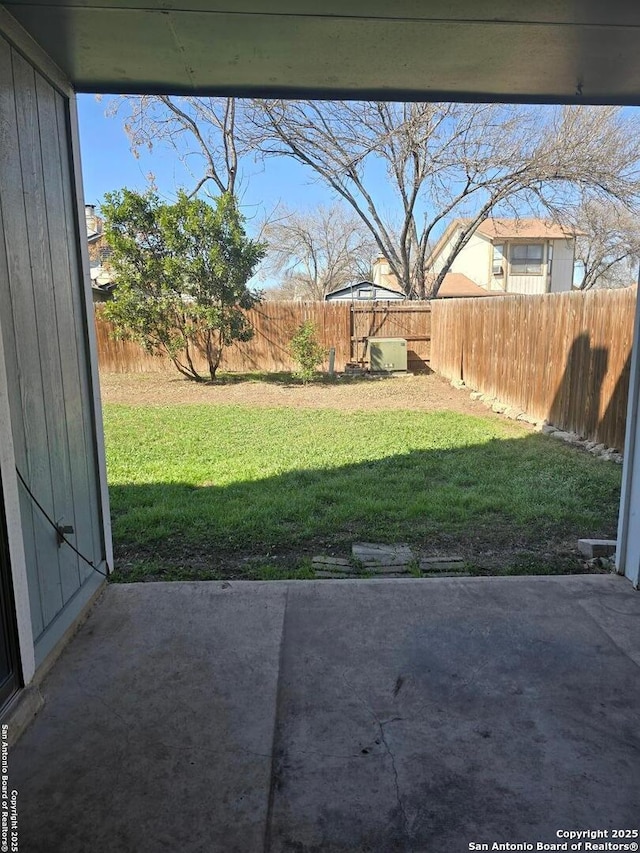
<point>332,361</point>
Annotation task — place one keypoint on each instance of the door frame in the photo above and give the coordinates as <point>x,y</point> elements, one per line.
<point>8,622</point>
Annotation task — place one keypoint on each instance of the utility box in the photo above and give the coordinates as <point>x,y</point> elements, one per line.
<point>387,355</point>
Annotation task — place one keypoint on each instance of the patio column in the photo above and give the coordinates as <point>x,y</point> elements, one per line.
<point>628,552</point>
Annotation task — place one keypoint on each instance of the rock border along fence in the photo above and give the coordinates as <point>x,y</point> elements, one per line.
<point>560,360</point>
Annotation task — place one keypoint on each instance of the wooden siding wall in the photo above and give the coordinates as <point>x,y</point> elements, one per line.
<point>561,356</point>
<point>275,323</point>
<point>42,311</point>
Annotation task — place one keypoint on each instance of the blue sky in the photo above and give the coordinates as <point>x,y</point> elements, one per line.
<point>108,164</point>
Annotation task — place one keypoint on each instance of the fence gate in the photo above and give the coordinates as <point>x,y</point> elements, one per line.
<point>408,320</point>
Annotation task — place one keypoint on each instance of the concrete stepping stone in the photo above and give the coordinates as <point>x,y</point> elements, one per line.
<point>363,549</point>
<point>591,548</point>
<point>442,564</point>
<point>372,554</point>
<point>380,560</point>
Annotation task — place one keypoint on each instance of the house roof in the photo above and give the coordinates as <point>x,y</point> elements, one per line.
<point>505,229</point>
<point>346,288</point>
<point>457,284</point>
<point>535,229</point>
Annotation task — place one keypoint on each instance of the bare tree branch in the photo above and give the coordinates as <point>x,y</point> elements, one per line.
<point>608,243</point>
<point>203,130</point>
<point>451,160</point>
<point>316,251</point>
<point>441,160</point>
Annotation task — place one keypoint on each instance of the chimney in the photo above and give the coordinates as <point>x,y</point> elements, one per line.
<point>380,268</point>
<point>91,219</point>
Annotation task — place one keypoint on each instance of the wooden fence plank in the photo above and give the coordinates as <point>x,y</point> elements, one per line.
<point>274,324</point>
<point>564,356</point>
<point>560,356</point>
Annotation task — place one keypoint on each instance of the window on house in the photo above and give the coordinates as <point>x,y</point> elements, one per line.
<point>498,260</point>
<point>365,293</point>
<point>526,258</point>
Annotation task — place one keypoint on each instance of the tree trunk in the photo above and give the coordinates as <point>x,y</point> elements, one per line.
<point>213,351</point>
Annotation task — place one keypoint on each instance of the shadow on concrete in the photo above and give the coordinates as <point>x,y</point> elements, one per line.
<point>406,716</point>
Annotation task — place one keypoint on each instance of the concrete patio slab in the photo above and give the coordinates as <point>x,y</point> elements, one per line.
<point>158,724</point>
<point>375,715</point>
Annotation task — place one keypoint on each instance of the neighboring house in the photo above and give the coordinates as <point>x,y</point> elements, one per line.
<point>363,291</point>
<point>511,255</point>
<point>101,277</point>
<point>456,284</point>
<point>384,286</point>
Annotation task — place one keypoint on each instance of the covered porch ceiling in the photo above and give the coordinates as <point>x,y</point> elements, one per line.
<point>550,51</point>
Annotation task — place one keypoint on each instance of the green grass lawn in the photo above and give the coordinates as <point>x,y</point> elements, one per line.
<point>235,491</point>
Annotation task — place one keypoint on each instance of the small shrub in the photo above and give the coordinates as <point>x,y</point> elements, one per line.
<point>306,351</point>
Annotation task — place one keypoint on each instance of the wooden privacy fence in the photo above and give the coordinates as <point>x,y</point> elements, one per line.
<point>274,324</point>
<point>564,356</point>
<point>409,320</point>
<point>339,325</point>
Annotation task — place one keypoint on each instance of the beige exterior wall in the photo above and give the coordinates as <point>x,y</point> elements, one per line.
<point>529,284</point>
<point>561,271</point>
<point>444,253</point>
<point>562,267</point>
<point>499,282</point>
<point>380,270</point>
<point>473,261</point>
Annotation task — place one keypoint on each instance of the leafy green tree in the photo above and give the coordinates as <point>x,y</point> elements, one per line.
<point>181,272</point>
<point>306,350</point>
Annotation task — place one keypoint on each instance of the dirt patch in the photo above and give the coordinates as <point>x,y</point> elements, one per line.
<point>496,551</point>
<point>425,393</point>
<point>182,562</point>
